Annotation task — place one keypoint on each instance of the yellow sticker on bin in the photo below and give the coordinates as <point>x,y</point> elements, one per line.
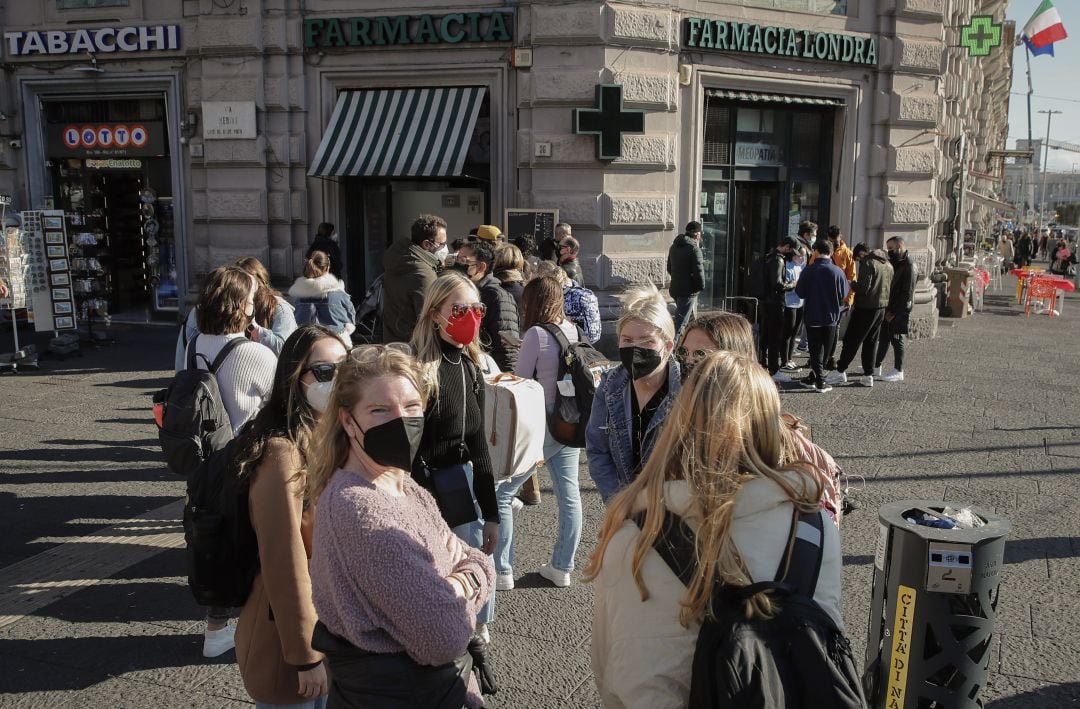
<point>901,647</point>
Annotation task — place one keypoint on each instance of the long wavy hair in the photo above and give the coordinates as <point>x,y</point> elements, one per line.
<point>426,342</point>
<point>286,413</point>
<point>330,442</point>
<point>723,430</point>
<point>265,295</point>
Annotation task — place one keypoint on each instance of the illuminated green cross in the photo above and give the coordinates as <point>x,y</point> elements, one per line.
<point>980,36</point>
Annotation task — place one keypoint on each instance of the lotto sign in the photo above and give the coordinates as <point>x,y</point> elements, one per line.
<point>107,140</point>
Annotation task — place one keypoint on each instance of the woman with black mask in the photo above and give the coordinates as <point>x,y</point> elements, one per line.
<point>632,400</point>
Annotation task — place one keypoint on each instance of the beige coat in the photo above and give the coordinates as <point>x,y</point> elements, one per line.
<point>641,654</point>
<point>273,635</point>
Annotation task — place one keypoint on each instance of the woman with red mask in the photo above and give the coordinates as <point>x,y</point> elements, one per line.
<point>453,459</point>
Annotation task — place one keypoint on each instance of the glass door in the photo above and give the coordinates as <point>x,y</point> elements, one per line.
<point>755,227</point>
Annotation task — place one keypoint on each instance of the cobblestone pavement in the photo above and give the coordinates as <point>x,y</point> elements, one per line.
<point>94,612</point>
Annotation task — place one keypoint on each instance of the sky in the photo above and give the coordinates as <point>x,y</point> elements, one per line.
<point>1053,79</point>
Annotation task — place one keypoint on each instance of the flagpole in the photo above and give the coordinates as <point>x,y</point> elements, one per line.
<point>1030,197</point>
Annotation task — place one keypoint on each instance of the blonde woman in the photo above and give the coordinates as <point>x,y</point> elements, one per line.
<point>396,592</point>
<point>632,400</point>
<point>453,458</point>
<point>718,466</point>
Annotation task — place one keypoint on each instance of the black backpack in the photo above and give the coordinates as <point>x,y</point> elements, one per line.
<point>194,422</point>
<point>756,280</point>
<point>798,659</point>
<point>585,365</point>
<point>222,550</point>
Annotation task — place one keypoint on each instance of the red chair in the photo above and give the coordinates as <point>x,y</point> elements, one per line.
<point>1041,289</point>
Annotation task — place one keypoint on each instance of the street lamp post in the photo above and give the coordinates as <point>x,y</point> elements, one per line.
<point>1046,156</point>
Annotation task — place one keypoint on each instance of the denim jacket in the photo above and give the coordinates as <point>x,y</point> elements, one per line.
<point>607,437</point>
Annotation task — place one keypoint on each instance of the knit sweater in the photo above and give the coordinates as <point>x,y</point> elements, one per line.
<point>245,377</point>
<point>441,445</point>
<point>379,568</point>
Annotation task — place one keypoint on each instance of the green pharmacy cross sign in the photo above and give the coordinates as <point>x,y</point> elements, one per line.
<point>608,121</point>
<point>980,35</point>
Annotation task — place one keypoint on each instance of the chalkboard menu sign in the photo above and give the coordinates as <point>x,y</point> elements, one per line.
<point>538,223</point>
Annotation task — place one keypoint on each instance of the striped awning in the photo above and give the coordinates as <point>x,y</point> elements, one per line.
<point>757,97</point>
<point>399,133</point>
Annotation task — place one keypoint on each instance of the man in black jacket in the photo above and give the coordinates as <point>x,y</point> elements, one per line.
<point>898,311</point>
<point>771,306</point>
<point>684,265</point>
<point>500,333</point>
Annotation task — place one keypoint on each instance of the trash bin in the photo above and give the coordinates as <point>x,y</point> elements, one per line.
<point>933,610</point>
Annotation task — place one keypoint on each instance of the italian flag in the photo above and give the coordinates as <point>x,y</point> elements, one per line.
<point>1043,29</point>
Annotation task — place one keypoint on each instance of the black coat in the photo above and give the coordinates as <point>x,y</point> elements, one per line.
<point>685,266</point>
<point>573,270</point>
<point>775,287</point>
<point>902,293</point>
<point>500,322</point>
<point>331,249</point>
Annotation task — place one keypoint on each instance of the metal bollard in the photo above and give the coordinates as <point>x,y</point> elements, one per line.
<point>933,610</point>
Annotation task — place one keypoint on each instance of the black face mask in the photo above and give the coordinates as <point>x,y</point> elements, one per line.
<point>393,444</point>
<point>639,361</point>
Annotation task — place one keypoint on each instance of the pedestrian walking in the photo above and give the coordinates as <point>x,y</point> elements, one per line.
<point>568,259</point>
<point>326,240</point>
<point>687,272</point>
<point>410,267</point>
<point>453,461</point>
<point>823,287</point>
<point>1024,251</point>
<point>633,400</point>
<point>1007,251</point>
<point>396,592</point>
<point>273,635</point>
<point>539,360</point>
<point>500,332</point>
<point>579,303</point>
<point>771,291</point>
<point>872,283</point>
<point>320,298</point>
<point>719,468</point>
<point>898,311</point>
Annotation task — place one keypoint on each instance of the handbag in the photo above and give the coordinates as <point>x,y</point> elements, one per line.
<point>451,486</point>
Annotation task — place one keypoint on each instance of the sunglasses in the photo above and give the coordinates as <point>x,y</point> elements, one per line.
<point>369,353</point>
<point>459,309</point>
<point>323,371</point>
<point>686,355</point>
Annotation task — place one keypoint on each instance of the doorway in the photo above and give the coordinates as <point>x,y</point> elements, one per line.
<point>755,225</point>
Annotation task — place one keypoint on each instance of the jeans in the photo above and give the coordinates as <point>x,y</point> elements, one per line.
<point>864,329</point>
<point>896,339</point>
<point>319,703</point>
<point>685,307</point>
<point>841,330</point>
<point>792,322</point>
<point>472,533</point>
<point>820,341</point>
<point>505,491</point>
<point>562,465</point>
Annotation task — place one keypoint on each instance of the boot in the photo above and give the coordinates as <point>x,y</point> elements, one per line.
<point>530,491</point>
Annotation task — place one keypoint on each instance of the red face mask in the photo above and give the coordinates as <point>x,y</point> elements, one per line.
<point>464,328</point>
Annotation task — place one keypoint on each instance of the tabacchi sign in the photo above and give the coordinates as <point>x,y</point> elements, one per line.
<point>701,33</point>
<point>104,40</point>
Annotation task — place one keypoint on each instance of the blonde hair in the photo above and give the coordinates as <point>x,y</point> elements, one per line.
<point>329,447</point>
<point>648,307</point>
<point>552,270</point>
<point>426,342</point>
<point>723,430</point>
<point>508,258</point>
<point>317,265</point>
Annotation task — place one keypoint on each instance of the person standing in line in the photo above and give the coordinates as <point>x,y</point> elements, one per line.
<point>845,261</point>
<point>568,259</point>
<point>549,248</point>
<point>687,272</point>
<point>823,288</point>
<point>410,267</point>
<point>898,310</point>
<point>500,333</point>
<point>527,245</point>
<point>445,343</point>
<point>580,303</point>
<point>509,270</point>
<point>793,308</point>
<point>225,310</point>
<point>773,292</point>
<point>395,591</point>
<point>632,401</point>
<point>871,288</point>
<point>539,360</point>
<point>326,240</point>
<point>320,298</point>
<point>273,635</point>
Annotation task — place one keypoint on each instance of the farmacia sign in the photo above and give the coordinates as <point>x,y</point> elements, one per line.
<point>702,33</point>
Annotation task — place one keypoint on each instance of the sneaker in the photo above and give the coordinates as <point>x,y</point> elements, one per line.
<point>218,642</point>
<point>790,366</point>
<point>807,382</point>
<point>781,378</point>
<point>504,582</point>
<point>836,377</point>
<point>516,504</point>
<point>802,347</point>
<point>823,388</point>
<point>867,380</point>
<point>877,372</point>
<point>482,633</point>
<point>893,375</point>
<point>561,579</point>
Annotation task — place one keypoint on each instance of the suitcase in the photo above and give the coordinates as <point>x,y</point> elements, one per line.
<point>514,423</point>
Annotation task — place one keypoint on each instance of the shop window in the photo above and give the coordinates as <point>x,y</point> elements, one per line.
<point>88,4</point>
<point>717,149</point>
<point>759,137</point>
<point>805,197</point>
<point>806,139</point>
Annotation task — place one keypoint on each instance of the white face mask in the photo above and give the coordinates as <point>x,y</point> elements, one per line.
<point>318,394</point>
<point>441,254</point>
<point>334,237</point>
